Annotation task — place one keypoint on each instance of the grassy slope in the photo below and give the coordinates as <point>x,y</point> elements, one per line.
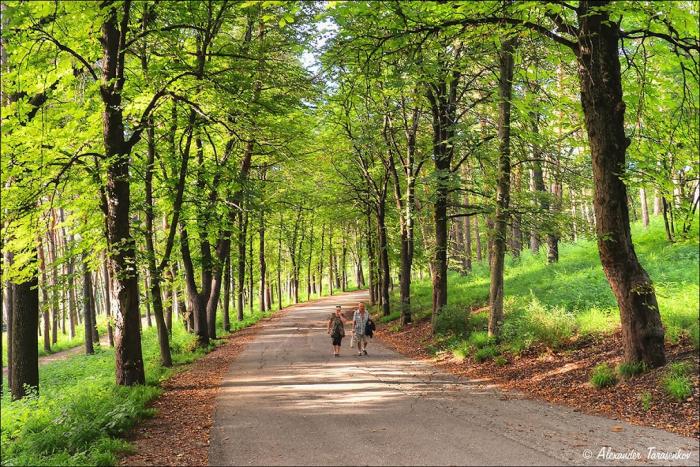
<point>80,413</point>
<point>549,303</point>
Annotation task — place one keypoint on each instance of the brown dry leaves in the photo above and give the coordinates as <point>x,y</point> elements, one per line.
<point>561,376</point>
<point>179,432</point>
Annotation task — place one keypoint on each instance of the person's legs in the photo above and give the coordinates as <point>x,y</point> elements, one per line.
<point>336,345</point>
<point>359,345</point>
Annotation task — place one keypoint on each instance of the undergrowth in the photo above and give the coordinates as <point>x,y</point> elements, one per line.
<point>547,305</point>
<point>79,414</point>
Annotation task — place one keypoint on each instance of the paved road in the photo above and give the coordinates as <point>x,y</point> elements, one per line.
<point>287,401</point>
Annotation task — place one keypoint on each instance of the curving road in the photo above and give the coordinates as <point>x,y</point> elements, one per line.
<point>287,401</point>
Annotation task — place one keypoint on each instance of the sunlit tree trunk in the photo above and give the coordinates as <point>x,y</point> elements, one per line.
<point>604,109</point>
<point>645,208</point>
<point>505,86</point>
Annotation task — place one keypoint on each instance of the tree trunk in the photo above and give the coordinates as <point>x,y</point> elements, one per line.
<point>72,299</point>
<point>477,238</point>
<point>54,280</point>
<point>264,304</point>
<point>154,272</point>
<point>657,203</point>
<point>93,314</point>
<point>383,259</point>
<point>371,254</point>
<point>197,301</point>
<point>279,267</point>
<point>540,190</point>
<point>8,301</point>
<point>251,279</point>
<point>147,300</point>
<point>25,352</point>
<point>645,208</point>
<point>467,232</point>
<point>441,229</point>
<point>108,303</point>
<point>604,109</point>
<point>227,294</point>
<point>505,87</point>
<point>516,238</point>
<point>122,255</point>
<point>87,307</point>
<point>344,264</point>
<point>45,298</point>
<point>320,261</point>
<point>330,260</point>
<point>242,234</point>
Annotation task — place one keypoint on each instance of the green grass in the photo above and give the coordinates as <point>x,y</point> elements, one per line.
<point>603,376</point>
<point>79,414</point>
<point>628,370</point>
<point>548,304</point>
<point>63,341</point>
<point>678,387</point>
<point>676,380</point>
<point>646,399</point>
<point>486,353</point>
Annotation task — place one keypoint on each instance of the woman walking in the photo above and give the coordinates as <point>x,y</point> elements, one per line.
<point>336,329</point>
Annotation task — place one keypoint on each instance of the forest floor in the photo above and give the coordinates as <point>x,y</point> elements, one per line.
<point>562,376</point>
<point>179,432</point>
<point>272,394</point>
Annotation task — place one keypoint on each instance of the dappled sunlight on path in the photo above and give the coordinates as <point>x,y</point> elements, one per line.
<point>288,401</point>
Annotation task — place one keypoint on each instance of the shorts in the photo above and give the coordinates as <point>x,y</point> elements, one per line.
<point>360,339</point>
<point>337,339</point>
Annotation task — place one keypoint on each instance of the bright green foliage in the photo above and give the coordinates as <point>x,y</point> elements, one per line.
<point>603,376</point>
<point>548,304</point>
<point>676,380</point>
<point>646,400</point>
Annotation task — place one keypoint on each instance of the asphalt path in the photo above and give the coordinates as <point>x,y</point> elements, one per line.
<point>286,400</point>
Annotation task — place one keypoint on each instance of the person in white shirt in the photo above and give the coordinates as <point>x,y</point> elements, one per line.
<point>359,321</point>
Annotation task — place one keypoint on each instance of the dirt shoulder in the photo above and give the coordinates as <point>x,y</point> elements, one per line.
<point>179,432</point>
<point>562,377</point>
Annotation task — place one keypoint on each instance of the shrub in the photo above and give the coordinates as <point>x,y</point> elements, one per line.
<point>679,369</point>
<point>627,370</point>
<point>480,339</point>
<point>452,319</point>
<point>485,353</point>
<point>646,399</point>
<point>678,387</point>
<point>676,381</point>
<point>462,350</point>
<point>500,360</point>
<point>394,315</point>
<point>695,335</point>
<point>459,321</point>
<point>537,323</point>
<point>603,376</point>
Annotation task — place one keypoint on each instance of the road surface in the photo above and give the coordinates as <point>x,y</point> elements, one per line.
<point>287,401</point>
